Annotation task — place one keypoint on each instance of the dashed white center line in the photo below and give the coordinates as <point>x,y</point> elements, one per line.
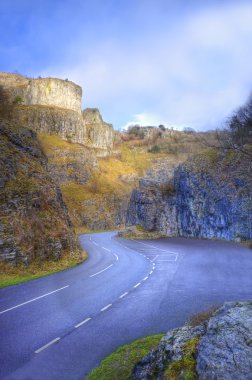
<point>145,278</point>
<point>95,243</point>
<point>34,299</point>
<point>47,345</point>
<point>151,271</point>
<point>124,294</point>
<point>115,256</point>
<point>95,274</point>
<point>135,286</point>
<point>82,323</point>
<point>106,307</point>
<point>155,258</point>
<point>106,249</point>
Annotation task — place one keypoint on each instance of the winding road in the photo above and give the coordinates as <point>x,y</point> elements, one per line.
<point>61,326</point>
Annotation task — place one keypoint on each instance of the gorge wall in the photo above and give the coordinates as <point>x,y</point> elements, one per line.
<point>53,106</point>
<point>209,196</point>
<point>49,151</point>
<point>34,221</point>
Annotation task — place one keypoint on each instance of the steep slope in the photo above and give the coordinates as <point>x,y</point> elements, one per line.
<point>34,222</point>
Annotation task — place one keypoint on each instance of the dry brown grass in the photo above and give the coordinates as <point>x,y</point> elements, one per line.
<point>202,316</point>
<point>21,273</point>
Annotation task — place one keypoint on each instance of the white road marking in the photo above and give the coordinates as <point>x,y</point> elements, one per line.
<point>145,278</point>
<point>135,286</point>
<point>153,246</point>
<point>115,256</point>
<point>106,249</point>
<point>167,258</point>
<point>154,258</point>
<point>95,243</point>
<point>151,271</point>
<point>34,299</point>
<point>47,345</point>
<point>106,307</point>
<point>124,294</point>
<point>95,274</point>
<point>82,323</point>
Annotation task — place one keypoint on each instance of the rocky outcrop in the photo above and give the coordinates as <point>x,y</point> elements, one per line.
<point>42,91</point>
<point>61,122</point>
<point>214,196</point>
<point>34,221</point>
<point>220,348</point>
<point>209,196</point>
<point>98,133</point>
<point>153,204</point>
<point>53,106</point>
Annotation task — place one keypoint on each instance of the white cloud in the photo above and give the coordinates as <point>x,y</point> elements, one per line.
<point>192,74</point>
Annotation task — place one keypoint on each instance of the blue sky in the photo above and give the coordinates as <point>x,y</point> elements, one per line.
<point>178,63</point>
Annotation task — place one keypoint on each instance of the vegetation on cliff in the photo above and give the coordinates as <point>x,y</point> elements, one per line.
<point>34,221</point>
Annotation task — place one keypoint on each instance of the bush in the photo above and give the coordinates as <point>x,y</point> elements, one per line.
<point>167,189</point>
<point>202,316</point>
<point>154,149</point>
<point>18,100</point>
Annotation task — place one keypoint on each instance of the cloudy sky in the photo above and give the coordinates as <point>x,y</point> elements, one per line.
<point>178,62</point>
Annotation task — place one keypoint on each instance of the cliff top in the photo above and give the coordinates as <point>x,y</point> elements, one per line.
<point>12,80</point>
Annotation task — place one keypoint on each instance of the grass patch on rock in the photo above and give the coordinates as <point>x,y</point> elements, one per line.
<point>185,368</point>
<point>21,273</point>
<point>119,364</point>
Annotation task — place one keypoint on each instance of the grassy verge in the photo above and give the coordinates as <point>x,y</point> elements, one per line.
<point>137,232</point>
<point>120,363</point>
<point>15,275</point>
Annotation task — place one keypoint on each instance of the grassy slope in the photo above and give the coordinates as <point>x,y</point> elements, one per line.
<point>16,275</point>
<point>120,363</point>
<point>112,181</point>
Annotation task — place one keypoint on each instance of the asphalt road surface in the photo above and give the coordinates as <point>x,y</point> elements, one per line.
<point>61,326</point>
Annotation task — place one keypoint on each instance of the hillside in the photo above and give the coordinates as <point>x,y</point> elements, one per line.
<point>34,219</point>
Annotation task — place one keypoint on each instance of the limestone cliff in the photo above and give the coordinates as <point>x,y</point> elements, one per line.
<point>209,196</point>
<point>34,221</point>
<point>53,106</point>
<point>42,91</point>
<point>98,133</point>
<point>218,348</point>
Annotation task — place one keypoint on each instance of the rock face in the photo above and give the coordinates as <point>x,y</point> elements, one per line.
<point>210,196</point>
<point>61,122</point>
<point>53,106</point>
<point>214,197</point>
<point>34,222</point>
<point>152,205</point>
<point>220,348</point>
<point>225,350</point>
<point>42,91</point>
<point>98,133</point>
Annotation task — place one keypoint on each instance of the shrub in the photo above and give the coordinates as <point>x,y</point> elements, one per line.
<point>202,316</point>
<point>18,100</point>
<point>154,149</point>
<point>167,189</point>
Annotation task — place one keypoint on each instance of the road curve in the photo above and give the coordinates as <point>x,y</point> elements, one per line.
<point>61,326</point>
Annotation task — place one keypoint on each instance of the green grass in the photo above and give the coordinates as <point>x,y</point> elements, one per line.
<point>119,364</point>
<point>185,368</point>
<point>16,275</point>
